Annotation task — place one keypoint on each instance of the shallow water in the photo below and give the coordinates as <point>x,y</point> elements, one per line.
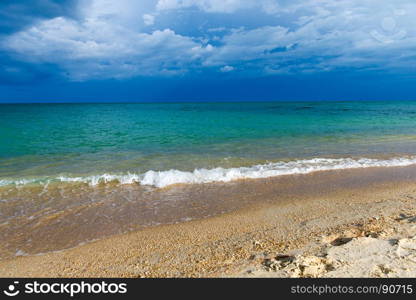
<point>35,221</point>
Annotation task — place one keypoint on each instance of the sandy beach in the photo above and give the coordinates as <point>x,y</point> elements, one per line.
<point>360,224</point>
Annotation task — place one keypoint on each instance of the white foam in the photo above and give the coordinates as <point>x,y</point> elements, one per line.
<point>104,178</point>
<point>165,178</point>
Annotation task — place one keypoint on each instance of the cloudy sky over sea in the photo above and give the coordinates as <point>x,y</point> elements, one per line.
<point>207,50</point>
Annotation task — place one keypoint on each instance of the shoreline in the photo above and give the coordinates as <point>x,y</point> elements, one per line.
<point>220,174</point>
<point>54,224</point>
<point>224,245</point>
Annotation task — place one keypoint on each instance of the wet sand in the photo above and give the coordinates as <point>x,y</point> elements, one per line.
<point>237,227</point>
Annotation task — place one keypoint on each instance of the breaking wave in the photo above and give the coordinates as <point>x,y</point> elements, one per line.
<point>162,179</point>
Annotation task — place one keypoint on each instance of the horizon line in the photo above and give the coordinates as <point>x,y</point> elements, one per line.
<point>197,101</point>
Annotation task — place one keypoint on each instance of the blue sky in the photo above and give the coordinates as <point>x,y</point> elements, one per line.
<point>207,50</point>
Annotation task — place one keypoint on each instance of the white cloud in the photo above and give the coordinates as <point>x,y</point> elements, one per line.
<point>226,69</point>
<point>98,47</point>
<point>219,6</point>
<point>229,6</point>
<point>148,19</point>
<point>110,39</point>
<point>122,12</point>
<point>327,35</point>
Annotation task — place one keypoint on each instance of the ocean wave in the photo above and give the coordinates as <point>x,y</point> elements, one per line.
<point>166,178</point>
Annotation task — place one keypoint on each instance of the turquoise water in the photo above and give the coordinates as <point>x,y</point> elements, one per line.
<point>47,141</point>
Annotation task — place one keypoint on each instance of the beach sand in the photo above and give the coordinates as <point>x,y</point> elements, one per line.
<point>356,223</point>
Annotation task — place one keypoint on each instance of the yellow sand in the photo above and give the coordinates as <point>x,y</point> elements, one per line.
<point>247,242</point>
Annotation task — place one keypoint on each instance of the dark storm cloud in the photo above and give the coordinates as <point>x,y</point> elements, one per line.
<point>15,15</point>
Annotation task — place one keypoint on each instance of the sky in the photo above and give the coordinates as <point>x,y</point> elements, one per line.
<point>207,50</point>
